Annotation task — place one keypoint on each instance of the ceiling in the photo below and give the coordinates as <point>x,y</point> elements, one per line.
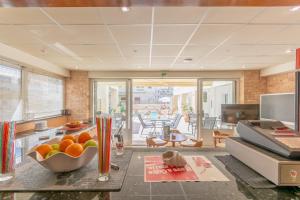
<point>158,38</point>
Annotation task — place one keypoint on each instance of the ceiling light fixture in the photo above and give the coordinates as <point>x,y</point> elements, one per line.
<point>187,60</point>
<point>67,51</point>
<point>289,51</point>
<point>125,9</point>
<point>293,9</point>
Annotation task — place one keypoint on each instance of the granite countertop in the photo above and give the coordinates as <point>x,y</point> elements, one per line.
<point>134,187</point>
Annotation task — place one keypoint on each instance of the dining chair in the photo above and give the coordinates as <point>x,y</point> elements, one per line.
<point>176,121</point>
<point>209,122</point>
<point>145,125</point>
<point>219,136</point>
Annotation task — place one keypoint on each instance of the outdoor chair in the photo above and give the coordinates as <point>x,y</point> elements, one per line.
<point>209,122</point>
<point>145,125</point>
<point>219,136</point>
<point>175,123</point>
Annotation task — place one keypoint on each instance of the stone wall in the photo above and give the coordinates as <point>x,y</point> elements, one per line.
<point>78,95</point>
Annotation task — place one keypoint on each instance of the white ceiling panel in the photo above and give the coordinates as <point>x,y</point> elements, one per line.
<point>172,34</point>
<point>289,35</point>
<point>165,50</point>
<point>135,50</point>
<point>196,51</point>
<point>89,34</point>
<point>109,39</point>
<point>134,34</point>
<point>225,15</point>
<point>252,50</point>
<point>277,15</point>
<point>136,15</point>
<point>16,35</point>
<point>213,34</point>
<point>23,16</point>
<point>251,34</point>
<point>75,15</point>
<point>178,15</point>
<point>95,50</point>
<point>138,61</point>
<point>162,61</point>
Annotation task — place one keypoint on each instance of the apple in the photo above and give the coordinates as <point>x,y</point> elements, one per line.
<point>51,153</point>
<point>55,146</point>
<point>90,143</point>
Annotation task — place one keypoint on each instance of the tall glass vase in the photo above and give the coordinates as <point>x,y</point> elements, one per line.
<point>104,137</point>
<point>7,150</point>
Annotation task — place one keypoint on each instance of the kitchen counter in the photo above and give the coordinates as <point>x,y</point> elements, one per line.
<point>134,187</point>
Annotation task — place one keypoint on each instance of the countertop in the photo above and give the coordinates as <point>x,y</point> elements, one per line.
<point>134,187</point>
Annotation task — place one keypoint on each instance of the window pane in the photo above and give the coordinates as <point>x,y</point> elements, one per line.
<point>10,94</point>
<point>216,93</point>
<point>111,98</point>
<point>45,96</point>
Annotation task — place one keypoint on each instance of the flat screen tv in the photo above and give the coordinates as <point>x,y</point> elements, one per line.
<point>280,107</point>
<point>232,113</point>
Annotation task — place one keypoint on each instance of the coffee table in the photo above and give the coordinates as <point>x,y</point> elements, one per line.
<point>174,137</point>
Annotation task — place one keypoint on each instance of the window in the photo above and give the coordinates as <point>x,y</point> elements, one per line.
<point>10,93</point>
<point>44,96</point>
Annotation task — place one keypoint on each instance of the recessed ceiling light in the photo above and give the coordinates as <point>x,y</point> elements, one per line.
<point>293,9</point>
<point>125,9</point>
<point>289,51</point>
<point>187,60</point>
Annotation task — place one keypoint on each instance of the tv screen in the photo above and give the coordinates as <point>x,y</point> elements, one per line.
<point>232,113</point>
<point>279,107</point>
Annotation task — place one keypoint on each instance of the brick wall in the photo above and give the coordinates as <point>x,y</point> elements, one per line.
<point>78,95</point>
<point>281,83</point>
<point>252,85</point>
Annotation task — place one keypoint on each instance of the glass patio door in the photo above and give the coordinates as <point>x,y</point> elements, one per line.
<point>213,93</point>
<point>111,97</point>
<point>159,102</point>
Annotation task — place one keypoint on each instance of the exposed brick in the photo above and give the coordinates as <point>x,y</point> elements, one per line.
<point>78,95</point>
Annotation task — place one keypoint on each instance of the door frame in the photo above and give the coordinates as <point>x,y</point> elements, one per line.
<point>93,83</point>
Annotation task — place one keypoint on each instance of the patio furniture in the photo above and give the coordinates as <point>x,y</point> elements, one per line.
<point>175,123</point>
<point>192,122</point>
<point>192,143</point>
<point>209,122</point>
<point>155,142</point>
<point>174,137</point>
<point>145,125</point>
<point>218,136</point>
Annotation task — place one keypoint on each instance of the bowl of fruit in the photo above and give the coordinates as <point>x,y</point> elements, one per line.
<point>66,154</point>
<point>74,124</point>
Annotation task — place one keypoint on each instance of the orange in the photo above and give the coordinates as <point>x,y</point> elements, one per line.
<point>64,144</point>
<point>71,137</point>
<point>44,149</point>
<point>83,137</point>
<point>74,150</point>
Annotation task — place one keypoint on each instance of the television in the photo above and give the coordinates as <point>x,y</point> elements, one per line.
<point>280,107</point>
<point>233,113</point>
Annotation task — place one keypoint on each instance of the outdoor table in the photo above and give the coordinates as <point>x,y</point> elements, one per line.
<point>177,137</point>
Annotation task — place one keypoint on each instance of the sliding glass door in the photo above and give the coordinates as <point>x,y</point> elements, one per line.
<point>110,96</point>
<point>160,102</point>
<point>214,93</point>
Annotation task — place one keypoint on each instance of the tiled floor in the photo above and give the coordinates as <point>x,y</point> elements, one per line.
<point>135,188</point>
